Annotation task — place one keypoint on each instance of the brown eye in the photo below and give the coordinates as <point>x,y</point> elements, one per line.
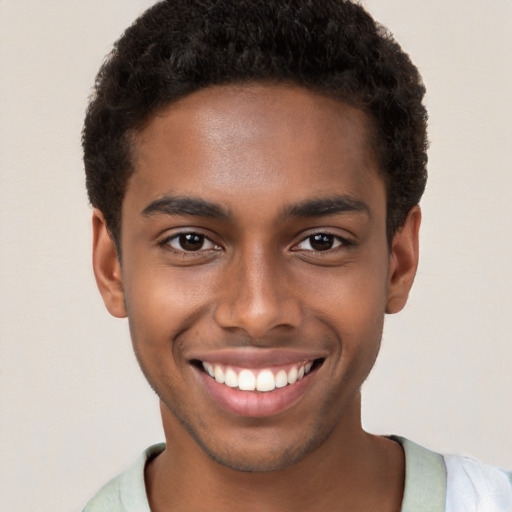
<point>321,242</point>
<point>190,242</point>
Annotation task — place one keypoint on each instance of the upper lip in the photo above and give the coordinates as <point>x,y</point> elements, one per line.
<point>251,357</point>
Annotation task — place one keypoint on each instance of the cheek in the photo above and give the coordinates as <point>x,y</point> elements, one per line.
<point>352,304</point>
<point>164,301</point>
<point>354,295</point>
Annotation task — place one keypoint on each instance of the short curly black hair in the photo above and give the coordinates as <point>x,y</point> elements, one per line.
<point>332,47</point>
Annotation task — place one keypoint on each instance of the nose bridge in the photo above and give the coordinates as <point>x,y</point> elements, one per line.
<point>256,297</point>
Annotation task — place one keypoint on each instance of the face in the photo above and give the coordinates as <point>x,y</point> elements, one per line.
<point>255,270</point>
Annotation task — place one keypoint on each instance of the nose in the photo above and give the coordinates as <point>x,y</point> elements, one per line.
<point>257,296</point>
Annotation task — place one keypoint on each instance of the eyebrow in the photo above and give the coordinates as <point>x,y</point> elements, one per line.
<point>176,205</point>
<point>318,207</point>
<point>321,207</point>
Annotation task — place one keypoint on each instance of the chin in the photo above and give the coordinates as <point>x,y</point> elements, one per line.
<point>261,454</point>
<point>258,462</point>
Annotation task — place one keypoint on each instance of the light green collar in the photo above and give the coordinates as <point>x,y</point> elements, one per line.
<point>425,478</point>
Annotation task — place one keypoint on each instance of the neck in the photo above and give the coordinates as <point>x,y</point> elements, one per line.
<point>350,470</point>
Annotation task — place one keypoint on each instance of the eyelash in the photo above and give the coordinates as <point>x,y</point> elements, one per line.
<point>167,243</point>
<point>337,241</point>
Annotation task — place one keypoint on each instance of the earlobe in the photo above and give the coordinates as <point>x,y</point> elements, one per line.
<point>403,262</point>
<point>107,268</point>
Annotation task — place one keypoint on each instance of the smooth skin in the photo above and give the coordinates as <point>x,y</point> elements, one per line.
<point>256,219</point>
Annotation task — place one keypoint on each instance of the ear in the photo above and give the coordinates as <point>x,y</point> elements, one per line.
<point>403,261</point>
<point>107,268</point>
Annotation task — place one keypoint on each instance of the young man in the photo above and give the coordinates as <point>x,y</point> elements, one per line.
<point>255,170</point>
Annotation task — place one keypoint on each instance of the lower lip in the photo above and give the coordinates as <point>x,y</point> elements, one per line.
<point>254,404</point>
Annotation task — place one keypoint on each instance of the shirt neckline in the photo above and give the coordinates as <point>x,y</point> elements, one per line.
<point>424,489</point>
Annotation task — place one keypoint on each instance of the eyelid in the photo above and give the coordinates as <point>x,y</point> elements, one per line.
<point>337,243</point>
<point>343,241</point>
<point>165,242</point>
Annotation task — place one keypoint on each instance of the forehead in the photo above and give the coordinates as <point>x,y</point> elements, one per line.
<point>226,142</point>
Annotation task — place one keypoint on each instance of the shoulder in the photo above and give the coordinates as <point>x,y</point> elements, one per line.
<point>127,491</point>
<point>452,483</point>
<point>474,487</point>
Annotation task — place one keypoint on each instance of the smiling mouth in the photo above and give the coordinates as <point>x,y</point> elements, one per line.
<point>261,380</point>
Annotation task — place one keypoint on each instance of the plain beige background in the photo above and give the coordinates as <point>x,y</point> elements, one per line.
<point>75,408</point>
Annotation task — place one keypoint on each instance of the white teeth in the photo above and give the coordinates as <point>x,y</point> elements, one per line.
<point>265,381</point>
<point>246,380</point>
<point>209,368</point>
<point>281,379</point>
<point>231,378</point>
<point>292,376</point>
<point>219,374</point>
